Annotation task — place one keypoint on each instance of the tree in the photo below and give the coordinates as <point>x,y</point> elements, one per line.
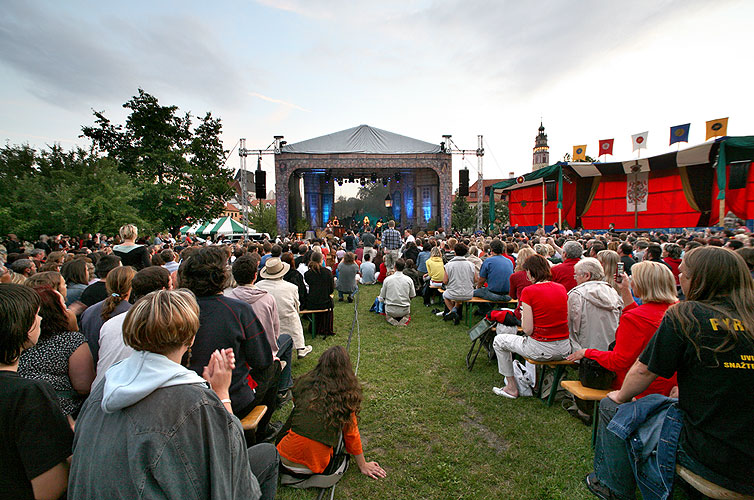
<point>180,172</point>
<point>54,191</point>
<point>264,219</point>
<point>463,217</point>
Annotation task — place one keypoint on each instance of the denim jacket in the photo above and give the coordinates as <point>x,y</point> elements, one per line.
<point>178,442</point>
<point>651,427</point>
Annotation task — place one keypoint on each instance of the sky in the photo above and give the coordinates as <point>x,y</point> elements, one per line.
<point>590,70</point>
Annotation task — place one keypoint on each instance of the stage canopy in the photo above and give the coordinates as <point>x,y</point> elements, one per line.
<point>362,139</point>
<point>670,190</point>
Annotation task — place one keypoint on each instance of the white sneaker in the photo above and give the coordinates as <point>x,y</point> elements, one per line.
<point>304,351</point>
<point>500,392</point>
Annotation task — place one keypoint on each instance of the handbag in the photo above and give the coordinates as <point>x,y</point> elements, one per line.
<point>594,375</point>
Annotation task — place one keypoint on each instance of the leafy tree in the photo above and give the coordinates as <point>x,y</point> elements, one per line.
<point>463,216</point>
<point>264,219</point>
<point>54,191</point>
<point>180,171</point>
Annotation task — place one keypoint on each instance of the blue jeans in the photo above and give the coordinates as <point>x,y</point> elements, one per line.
<point>486,294</point>
<point>612,463</point>
<point>285,353</point>
<point>264,462</point>
<point>341,294</point>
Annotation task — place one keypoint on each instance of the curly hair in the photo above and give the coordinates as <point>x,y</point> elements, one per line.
<point>336,392</point>
<point>205,272</point>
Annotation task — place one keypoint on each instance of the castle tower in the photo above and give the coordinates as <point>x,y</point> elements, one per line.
<point>541,150</point>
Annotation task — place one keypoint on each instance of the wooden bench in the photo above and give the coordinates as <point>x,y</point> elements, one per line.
<point>587,394</point>
<point>468,306</point>
<point>251,421</point>
<point>708,488</point>
<point>559,367</point>
<point>309,314</point>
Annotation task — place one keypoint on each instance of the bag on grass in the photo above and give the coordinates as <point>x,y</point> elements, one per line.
<point>378,306</point>
<point>526,377</point>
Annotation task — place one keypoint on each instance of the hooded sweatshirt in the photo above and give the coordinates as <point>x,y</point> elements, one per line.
<point>264,307</point>
<point>138,376</point>
<point>594,308</point>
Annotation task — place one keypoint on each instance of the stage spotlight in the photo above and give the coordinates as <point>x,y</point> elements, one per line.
<point>398,177</point>
<point>350,178</point>
<point>384,182</point>
<point>374,177</point>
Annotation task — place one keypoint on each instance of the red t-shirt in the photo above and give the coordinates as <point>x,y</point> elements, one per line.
<point>563,273</point>
<point>518,282</point>
<point>549,305</point>
<point>637,326</point>
<point>674,263</point>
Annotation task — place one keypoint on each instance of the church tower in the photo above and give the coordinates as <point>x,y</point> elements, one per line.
<point>541,150</point>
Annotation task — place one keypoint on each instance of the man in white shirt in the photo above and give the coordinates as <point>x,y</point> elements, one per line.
<point>397,292</point>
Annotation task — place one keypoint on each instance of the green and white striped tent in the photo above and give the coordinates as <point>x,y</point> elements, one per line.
<point>222,225</point>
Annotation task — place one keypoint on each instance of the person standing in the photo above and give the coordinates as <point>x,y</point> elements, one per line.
<point>368,239</point>
<point>391,242</point>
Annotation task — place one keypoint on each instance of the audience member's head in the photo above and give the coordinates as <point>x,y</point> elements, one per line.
<point>105,265</point>
<point>572,250</point>
<point>75,272</point>
<point>523,254</point>
<point>128,232</point>
<point>653,282</point>
<point>748,255</point>
<point>148,280</point>
<point>654,252</point>
<point>162,321</point>
<point>245,270</point>
<point>588,269</point>
<point>19,328</point>
<point>496,246</point>
<point>400,265</point>
<point>118,284</point>
<point>460,249</point>
<point>52,279</point>
<point>24,267</point>
<point>55,316</point>
<point>205,272</point>
<point>538,268</point>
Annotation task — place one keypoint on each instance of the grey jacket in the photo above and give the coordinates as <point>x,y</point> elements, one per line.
<point>594,308</point>
<point>178,442</point>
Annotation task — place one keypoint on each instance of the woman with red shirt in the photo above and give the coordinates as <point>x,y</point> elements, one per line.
<point>544,320</point>
<point>653,283</point>
<point>519,280</point>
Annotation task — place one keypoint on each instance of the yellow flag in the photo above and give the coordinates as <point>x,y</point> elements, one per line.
<point>579,153</point>
<point>717,128</point>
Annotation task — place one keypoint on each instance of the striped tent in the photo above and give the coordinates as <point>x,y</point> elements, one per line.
<point>221,225</point>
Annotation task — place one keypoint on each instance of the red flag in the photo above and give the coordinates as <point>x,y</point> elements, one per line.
<point>606,147</point>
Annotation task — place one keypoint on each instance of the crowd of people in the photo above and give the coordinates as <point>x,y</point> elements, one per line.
<point>98,334</point>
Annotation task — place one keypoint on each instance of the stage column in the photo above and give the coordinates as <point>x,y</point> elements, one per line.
<point>312,199</point>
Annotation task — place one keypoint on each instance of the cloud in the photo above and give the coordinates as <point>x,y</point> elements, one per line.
<point>70,61</point>
<point>278,101</point>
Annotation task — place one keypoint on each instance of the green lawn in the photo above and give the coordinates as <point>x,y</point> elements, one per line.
<point>437,429</point>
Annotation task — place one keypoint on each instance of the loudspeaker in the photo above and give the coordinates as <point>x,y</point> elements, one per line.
<point>551,188</point>
<point>260,183</point>
<point>463,182</point>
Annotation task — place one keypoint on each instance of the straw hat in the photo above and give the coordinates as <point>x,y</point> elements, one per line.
<point>274,268</point>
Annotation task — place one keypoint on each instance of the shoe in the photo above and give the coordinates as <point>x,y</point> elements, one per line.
<point>440,313</point>
<point>456,319</point>
<point>340,299</point>
<point>451,315</point>
<point>350,299</point>
<point>436,310</point>
<point>284,397</point>
<point>273,429</point>
<point>304,351</point>
<point>598,489</point>
<point>500,392</point>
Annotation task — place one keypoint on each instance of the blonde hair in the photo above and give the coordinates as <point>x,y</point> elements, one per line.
<point>523,254</point>
<point>436,251</point>
<point>541,249</point>
<point>128,232</point>
<point>162,321</point>
<point>653,282</point>
<point>609,260</point>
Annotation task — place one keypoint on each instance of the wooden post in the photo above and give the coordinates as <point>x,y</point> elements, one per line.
<point>560,218</point>
<point>544,200</point>
<point>722,213</point>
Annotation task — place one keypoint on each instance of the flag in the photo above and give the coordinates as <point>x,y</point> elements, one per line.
<point>640,140</point>
<point>579,153</point>
<point>679,133</point>
<point>717,128</point>
<point>637,191</point>
<point>606,147</point>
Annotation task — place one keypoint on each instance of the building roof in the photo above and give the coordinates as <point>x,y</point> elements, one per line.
<point>362,139</point>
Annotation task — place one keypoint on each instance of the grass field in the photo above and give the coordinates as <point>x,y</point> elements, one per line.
<point>437,429</point>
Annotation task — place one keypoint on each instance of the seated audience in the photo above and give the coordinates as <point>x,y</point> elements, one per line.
<point>594,307</point>
<point>397,292</point>
<point>321,286</point>
<point>609,260</point>
<point>36,437</point>
<point>707,340</point>
<point>186,435</point>
<point>264,306</point>
<point>496,272</point>
<point>61,355</point>
<point>348,270</point>
<point>230,323</point>
<point>293,276</point>
<point>413,273</point>
<point>563,273</point>
<point>112,348</point>
<point>367,270</point>
<point>519,280</point>
<point>327,401</point>
<point>118,285</point>
<point>458,281</point>
<point>544,313</point>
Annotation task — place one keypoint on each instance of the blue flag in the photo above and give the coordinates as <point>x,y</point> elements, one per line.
<point>679,133</point>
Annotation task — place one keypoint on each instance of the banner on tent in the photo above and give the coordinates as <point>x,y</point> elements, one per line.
<point>637,191</point>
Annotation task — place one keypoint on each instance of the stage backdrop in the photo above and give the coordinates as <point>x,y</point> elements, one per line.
<point>525,206</point>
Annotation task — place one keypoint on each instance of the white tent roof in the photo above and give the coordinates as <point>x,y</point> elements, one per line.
<point>362,139</point>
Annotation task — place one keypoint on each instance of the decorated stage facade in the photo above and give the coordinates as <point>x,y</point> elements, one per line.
<point>419,173</point>
<point>693,187</point>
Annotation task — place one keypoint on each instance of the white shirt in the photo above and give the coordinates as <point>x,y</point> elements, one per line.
<point>111,346</point>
